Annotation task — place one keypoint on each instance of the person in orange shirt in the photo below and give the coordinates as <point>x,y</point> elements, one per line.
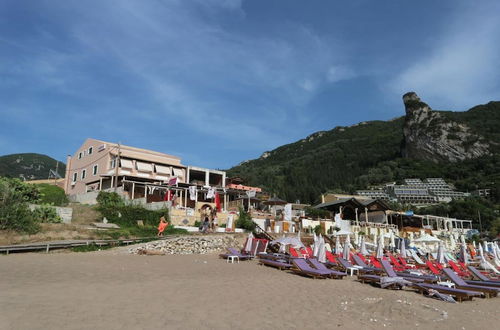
<point>162,226</point>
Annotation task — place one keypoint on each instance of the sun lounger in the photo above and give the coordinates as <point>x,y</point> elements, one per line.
<point>432,268</point>
<point>481,276</point>
<point>396,263</point>
<point>406,264</point>
<point>483,280</point>
<point>296,253</point>
<point>303,268</point>
<point>459,294</point>
<point>234,252</point>
<point>461,284</point>
<point>359,262</point>
<point>318,265</point>
<point>280,264</point>
<point>457,270</point>
<point>391,273</point>
<point>385,282</point>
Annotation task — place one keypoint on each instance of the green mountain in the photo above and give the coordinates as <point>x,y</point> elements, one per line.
<point>461,147</point>
<point>29,166</point>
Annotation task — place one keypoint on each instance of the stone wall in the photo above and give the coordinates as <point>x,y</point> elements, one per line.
<point>189,245</point>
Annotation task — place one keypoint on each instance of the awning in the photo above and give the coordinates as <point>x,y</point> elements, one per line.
<point>144,167</point>
<point>178,172</point>
<point>163,169</point>
<point>127,163</point>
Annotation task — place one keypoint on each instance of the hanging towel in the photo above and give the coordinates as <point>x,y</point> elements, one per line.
<point>211,193</point>
<point>192,193</point>
<point>217,201</point>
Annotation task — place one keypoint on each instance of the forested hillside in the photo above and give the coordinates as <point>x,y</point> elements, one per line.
<point>29,166</point>
<point>348,158</point>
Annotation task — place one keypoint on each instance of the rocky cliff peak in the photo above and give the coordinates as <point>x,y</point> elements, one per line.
<point>432,136</point>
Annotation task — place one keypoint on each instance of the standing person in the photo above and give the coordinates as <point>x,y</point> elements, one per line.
<point>162,226</point>
<point>205,225</point>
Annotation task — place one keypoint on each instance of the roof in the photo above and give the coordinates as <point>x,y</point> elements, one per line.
<point>357,202</point>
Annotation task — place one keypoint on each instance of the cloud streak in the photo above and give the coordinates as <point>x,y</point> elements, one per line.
<point>461,69</point>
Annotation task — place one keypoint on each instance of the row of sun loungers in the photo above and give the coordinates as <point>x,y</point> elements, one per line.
<point>392,272</point>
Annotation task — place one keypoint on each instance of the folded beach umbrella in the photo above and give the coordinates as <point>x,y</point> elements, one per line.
<point>402,248</point>
<point>356,238</point>
<point>248,245</point>
<point>481,251</point>
<point>362,249</point>
<point>453,244</point>
<point>392,243</point>
<point>474,244</point>
<point>337,246</point>
<point>462,239</point>
<point>347,246</point>
<point>440,254</point>
<point>316,245</point>
<point>485,247</point>
<point>380,247</point>
<point>322,252</point>
<point>463,254</point>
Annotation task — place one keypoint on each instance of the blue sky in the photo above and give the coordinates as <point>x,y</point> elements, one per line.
<point>217,82</point>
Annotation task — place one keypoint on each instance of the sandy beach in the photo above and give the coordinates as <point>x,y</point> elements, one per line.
<point>116,290</point>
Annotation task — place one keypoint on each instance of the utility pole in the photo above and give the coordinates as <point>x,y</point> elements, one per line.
<point>57,172</point>
<point>117,164</point>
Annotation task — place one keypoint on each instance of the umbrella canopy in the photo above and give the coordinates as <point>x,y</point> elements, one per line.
<point>248,245</point>
<point>440,255</point>
<point>380,247</point>
<point>363,249</point>
<point>347,246</point>
<point>322,252</point>
<point>426,238</point>
<point>402,248</point>
<point>274,201</point>
<point>293,241</point>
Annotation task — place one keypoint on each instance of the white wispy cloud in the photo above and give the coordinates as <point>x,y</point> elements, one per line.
<point>461,69</point>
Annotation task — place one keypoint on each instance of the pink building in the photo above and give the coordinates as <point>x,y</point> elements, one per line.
<point>100,165</point>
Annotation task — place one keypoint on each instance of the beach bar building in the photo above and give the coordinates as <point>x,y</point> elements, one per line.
<point>154,179</point>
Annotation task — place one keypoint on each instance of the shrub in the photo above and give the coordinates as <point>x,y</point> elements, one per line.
<point>50,194</point>
<point>108,203</point>
<point>14,211</point>
<point>245,221</point>
<point>46,213</point>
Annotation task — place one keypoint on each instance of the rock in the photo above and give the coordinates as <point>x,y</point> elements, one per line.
<point>431,135</point>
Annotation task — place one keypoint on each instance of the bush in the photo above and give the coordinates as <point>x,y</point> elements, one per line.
<point>111,206</point>
<point>108,203</point>
<point>46,213</point>
<point>245,221</point>
<point>50,194</point>
<point>14,211</point>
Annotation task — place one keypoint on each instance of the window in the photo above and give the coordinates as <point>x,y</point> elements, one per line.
<point>112,163</point>
<point>94,170</point>
<point>84,172</point>
<point>75,175</point>
<point>90,150</point>
<point>80,155</point>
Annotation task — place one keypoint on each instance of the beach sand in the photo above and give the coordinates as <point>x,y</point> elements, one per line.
<point>115,290</point>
